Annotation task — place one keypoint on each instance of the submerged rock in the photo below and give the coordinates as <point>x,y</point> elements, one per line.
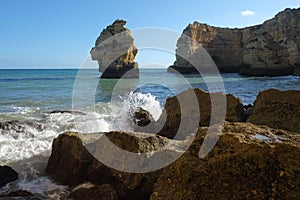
<point>271,48</point>
<point>72,112</point>
<point>7,175</point>
<point>277,109</point>
<point>115,52</point>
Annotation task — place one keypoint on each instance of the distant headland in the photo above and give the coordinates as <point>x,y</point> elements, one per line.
<point>272,48</point>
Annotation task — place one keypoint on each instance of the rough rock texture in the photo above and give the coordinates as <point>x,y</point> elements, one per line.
<point>93,192</point>
<point>174,112</point>
<point>248,162</point>
<point>115,52</point>
<point>7,174</point>
<point>272,48</point>
<point>142,117</point>
<point>277,109</point>
<point>72,164</point>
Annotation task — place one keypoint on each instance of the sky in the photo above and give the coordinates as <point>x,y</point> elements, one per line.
<point>60,33</point>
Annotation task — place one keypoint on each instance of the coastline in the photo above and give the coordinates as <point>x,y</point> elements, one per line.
<point>260,134</point>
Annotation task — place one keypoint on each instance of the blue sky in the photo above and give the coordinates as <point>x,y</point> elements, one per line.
<point>60,33</point>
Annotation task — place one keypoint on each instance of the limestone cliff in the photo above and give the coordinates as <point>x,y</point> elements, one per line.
<point>268,49</point>
<point>115,52</point>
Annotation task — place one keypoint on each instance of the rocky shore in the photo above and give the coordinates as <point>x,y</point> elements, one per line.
<point>269,49</point>
<point>255,157</point>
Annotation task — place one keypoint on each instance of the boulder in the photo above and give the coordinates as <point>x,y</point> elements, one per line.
<point>141,118</point>
<point>248,162</point>
<point>115,52</point>
<point>277,109</point>
<point>271,48</point>
<point>173,113</point>
<point>7,175</point>
<point>71,163</point>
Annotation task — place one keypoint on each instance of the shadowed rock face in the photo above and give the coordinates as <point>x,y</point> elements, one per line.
<point>268,49</point>
<point>115,52</point>
<point>7,174</point>
<point>277,109</point>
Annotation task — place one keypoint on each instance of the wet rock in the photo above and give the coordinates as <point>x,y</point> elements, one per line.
<point>73,112</point>
<point>271,48</point>
<point>141,118</point>
<point>7,175</point>
<point>93,192</point>
<point>277,109</point>
<point>17,129</point>
<point>115,52</point>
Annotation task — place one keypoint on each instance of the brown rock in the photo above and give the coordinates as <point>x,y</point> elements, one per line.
<point>248,162</point>
<point>115,52</point>
<point>174,112</point>
<point>277,109</point>
<point>268,49</point>
<point>71,163</point>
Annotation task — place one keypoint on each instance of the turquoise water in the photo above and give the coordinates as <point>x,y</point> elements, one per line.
<point>53,89</point>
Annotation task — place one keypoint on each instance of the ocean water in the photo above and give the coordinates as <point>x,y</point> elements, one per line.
<point>29,96</point>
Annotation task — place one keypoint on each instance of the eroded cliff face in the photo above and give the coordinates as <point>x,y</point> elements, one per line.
<point>115,52</point>
<point>272,47</point>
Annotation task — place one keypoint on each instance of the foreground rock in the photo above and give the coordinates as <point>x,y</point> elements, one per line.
<point>248,162</point>
<point>7,175</point>
<point>72,164</point>
<point>277,109</point>
<point>270,49</point>
<point>115,52</point>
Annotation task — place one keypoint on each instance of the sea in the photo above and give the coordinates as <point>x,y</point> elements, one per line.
<point>39,101</point>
